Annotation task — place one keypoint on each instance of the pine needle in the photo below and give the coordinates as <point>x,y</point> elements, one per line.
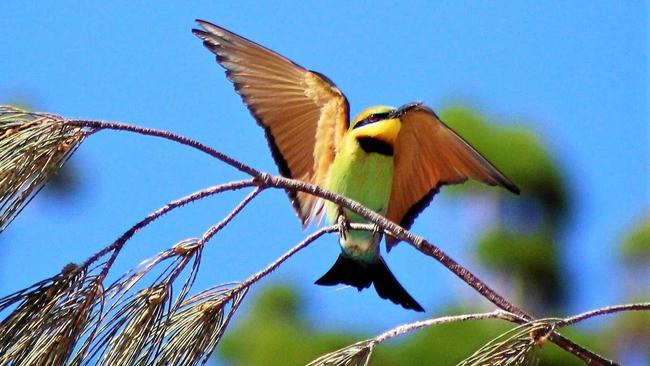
<point>194,331</point>
<point>33,146</point>
<point>357,354</point>
<point>134,326</point>
<point>132,333</point>
<point>514,347</point>
<point>49,318</point>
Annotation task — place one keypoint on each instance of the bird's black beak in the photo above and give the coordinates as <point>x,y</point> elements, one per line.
<point>397,113</point>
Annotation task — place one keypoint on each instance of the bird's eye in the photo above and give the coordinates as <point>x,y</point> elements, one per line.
<point>376,117</point>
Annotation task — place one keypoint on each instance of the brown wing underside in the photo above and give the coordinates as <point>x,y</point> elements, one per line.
<point>304,115</point>
<point>428,154</point>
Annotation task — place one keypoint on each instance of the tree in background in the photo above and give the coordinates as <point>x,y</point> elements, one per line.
<point>631,335</point>
<point>522,242</point>
<point>635,253</point>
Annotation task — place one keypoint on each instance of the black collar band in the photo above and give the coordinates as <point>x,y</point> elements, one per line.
<point>373,145</point>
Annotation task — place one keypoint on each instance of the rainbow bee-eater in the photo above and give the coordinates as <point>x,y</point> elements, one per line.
<point>391,160</point>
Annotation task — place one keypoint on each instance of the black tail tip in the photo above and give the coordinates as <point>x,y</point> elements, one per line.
<point>360,275</point>
<point>389,288</point>
<point>346,271</point>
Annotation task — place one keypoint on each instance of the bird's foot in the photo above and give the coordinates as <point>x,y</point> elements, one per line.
<point>344,226</point>
<point>377,232</point>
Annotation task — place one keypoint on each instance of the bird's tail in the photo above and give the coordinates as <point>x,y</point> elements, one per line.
<point>361,274</point>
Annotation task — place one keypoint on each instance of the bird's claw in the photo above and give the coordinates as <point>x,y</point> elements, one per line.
<point>377,232</point>
<point>376,229</point>
<point>344,226</point>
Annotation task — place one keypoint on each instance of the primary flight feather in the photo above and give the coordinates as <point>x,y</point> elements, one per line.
<point>392,161</point>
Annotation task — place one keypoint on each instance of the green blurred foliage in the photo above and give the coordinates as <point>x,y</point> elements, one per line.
<point>519,154</point>
<point>636,245</point>
<point>277,332</point>
<point>523,244</point>
<point>630,334</point>
<point>529,261</point>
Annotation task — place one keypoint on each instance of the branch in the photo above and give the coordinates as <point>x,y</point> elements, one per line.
<point>433,251</point>
<point>645,306</point>
<point>285,183</point>
<point>514,345</point>
<point>511,317</point>
<point>101,125</point>
<point>359,353</point>
<point>266,180</point>
<point>406,328</point>
<point>388,226</point>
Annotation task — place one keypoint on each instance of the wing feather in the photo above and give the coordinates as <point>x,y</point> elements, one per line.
<point>428,154</point>
<point>304,115</point>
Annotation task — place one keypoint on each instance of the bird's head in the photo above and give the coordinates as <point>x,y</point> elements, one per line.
<point>378,122</point>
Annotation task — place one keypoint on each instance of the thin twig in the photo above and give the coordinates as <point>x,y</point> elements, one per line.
<point>304,243</point>
<point>406,328</point>
<point>213,230</point>
<point>497,314</point>
<point>298,247</point>
<point>508,316</point>
<point>603,311</point>
<point>101,125</point>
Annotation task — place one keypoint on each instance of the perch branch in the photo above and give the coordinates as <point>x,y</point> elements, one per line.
<point>266,180</point>
<point>431,250</point>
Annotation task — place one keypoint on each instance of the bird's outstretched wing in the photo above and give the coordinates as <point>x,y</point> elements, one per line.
<point>304,115</point>
<point>428,154</point>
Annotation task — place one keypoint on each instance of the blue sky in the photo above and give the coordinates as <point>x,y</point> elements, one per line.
<point>576,73</point>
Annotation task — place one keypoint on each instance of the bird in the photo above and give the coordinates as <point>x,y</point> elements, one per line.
<point>391,160</point>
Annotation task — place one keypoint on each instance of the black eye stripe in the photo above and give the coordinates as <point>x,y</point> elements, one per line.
<point>375,117</point>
